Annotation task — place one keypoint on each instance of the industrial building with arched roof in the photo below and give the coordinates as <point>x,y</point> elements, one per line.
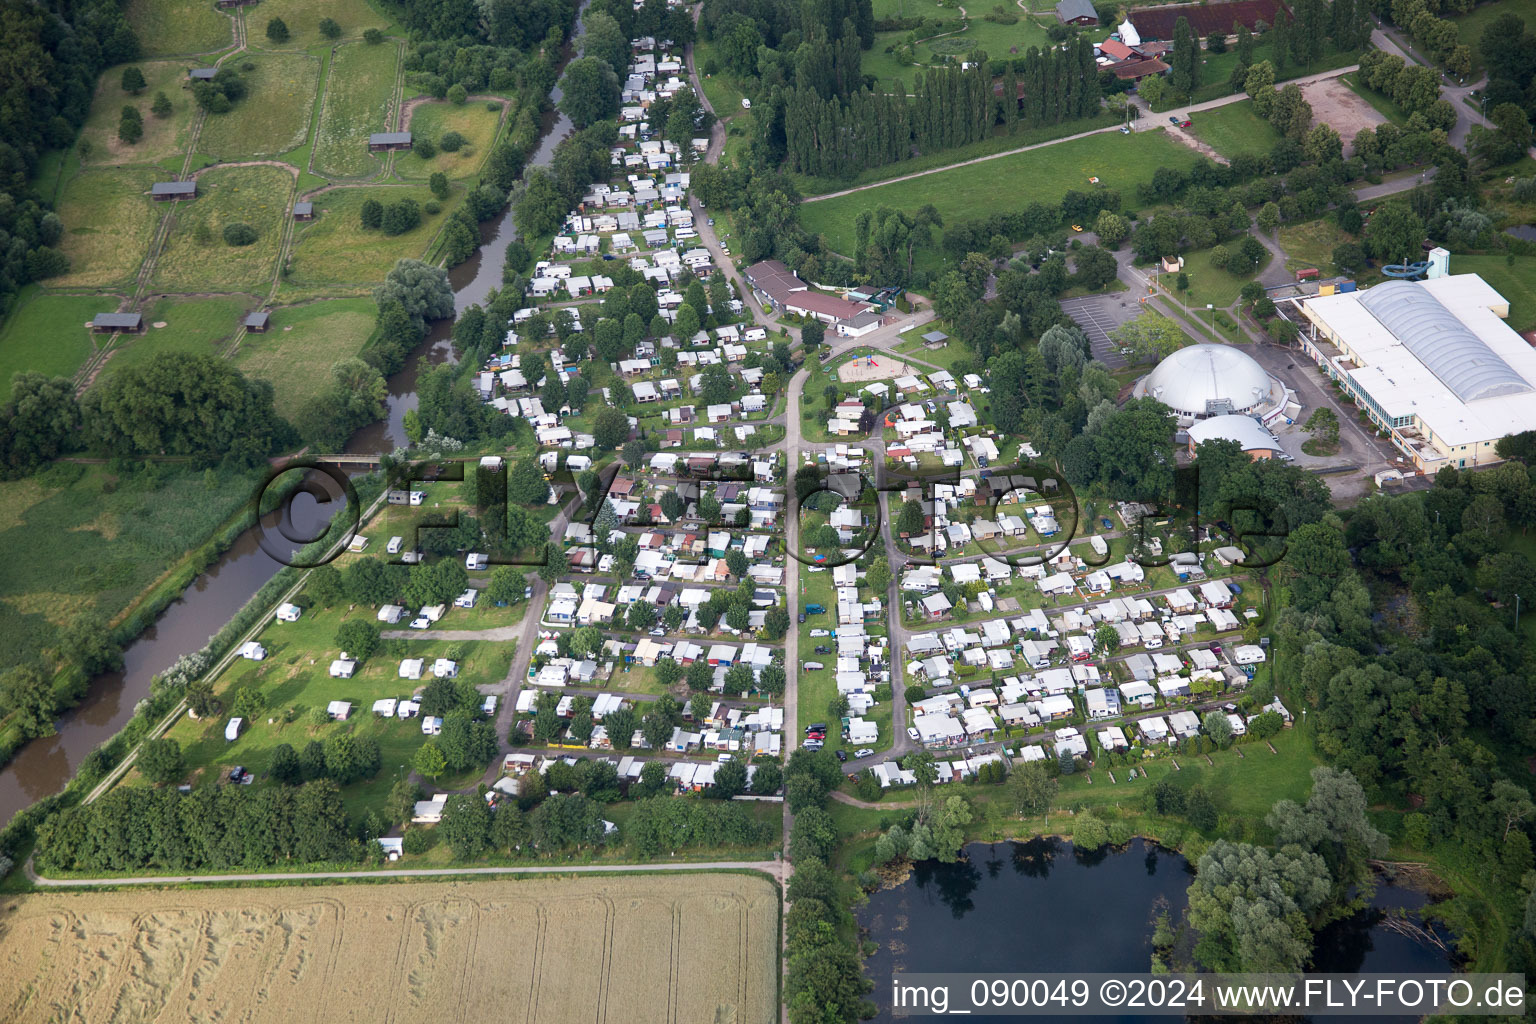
<point>1256,442</point>
<point>1431,362</point>
<point>1201,381</point>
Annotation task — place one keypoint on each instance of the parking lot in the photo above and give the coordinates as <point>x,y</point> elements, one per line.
<point>1097,315</point>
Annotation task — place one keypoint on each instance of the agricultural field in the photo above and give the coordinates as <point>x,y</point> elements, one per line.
<point>274,116</point>
<point>303,19</point>
<point>109,221</point>
<point>334,248</point>
<point>176,27</point>
<point>1233,129</point>
<point>358,92</point>
<point>78,541</point>
<point>47,334</point>
<point>1119,162</point>
<point>431,120</point>
<point>195,257</point>
<point>546,950</point>
<point>194,326</point>
<point>163,136</point>
<point>302,344</point>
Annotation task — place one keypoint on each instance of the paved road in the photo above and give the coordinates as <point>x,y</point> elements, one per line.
<point>774,868</point>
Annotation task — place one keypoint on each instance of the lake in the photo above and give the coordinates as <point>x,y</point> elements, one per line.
<point>1042,907</point>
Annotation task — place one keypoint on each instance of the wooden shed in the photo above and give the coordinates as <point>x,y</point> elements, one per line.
<point>258,321</point>
<point>383,142</point>
<point>202,74</point>
<point>166,191</point>
<point>106,323</point>
<point>303,211</point>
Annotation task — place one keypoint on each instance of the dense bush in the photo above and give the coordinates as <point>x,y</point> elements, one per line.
<point>239,234</point>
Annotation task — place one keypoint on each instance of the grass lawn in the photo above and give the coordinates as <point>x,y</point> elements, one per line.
<point>1207,284</point>
<point>163,137</point>
<point>1217,69</point>
<point>1311,244</point>
<point>75,545</point>
<point>431,120</point>
<point>167,27</point>
<point>303,19</point>
<point>720,89</point>
<point>198,326</point>
<point>197,259</point>
<point>1470,26</point>
<point>46,334</point>
<point>1234,129</point>
<point>303,343</point>
<point>109,220</point>
<point>1384,105</point>
<point>274,117</point>
<point>335,249</point>
<point>1515,281</point>
<point>356,105</point>
<point>1118,161</point>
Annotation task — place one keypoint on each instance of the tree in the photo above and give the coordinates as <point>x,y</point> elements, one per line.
<point>1199,809</point>
<point>526,484</point>
<point>1394,232</point>
<point>133,80</point>
<point>283,766</point>
<point>429,760</point>
<point>160,761</point>
<point>1269,218</point>
<point>130,127</point>
<point>878,575</point>
<point>699,676</point>
<point>466,825</point>
<point>910,520</point>
<point>371,213</point>
<point>277,30</point>
<point>438,183</point>
<point>423,290</point>
<point>591,91</point>
<point>1088,832</point>
<point>1031,789</point>
<point>1106,640</point>
<point>457,95</point>
<point>161,107</point>
<point>610,428</point>
<point>731,779</point>
<point>1218,727</point>
<point>358,638</point>
<point>329,28</point>
<point>1250,907</point>
<point>1150,336</point>
<point>88,642</point>
<point>812,333</point>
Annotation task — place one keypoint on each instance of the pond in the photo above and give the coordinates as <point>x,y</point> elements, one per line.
<point>1042,907</point>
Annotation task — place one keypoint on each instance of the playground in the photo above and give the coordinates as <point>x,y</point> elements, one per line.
<point>874,366</point>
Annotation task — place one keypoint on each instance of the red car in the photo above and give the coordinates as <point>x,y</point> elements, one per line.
<point>1186,124</point>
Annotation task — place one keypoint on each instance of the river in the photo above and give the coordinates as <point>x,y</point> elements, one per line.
<point>1041,907</point>
<point>44,765</point>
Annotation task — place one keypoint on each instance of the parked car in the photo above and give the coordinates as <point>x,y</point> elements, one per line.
<point>809,744</point>
<point>1125,129</point>
<point>1173,119</point>
<point>912,731</point>
<point>236,773</point>
<point>817,632</point>
<point>823,649</point>
<point>816,727</point>
<point>842,755</point>
<point>527,593</point>
<point>1186,123</point>
<point>421,623</point>
<point>1237,588</point>
<point>863,752</point>
<point>1216,649</point>
<point>711,224</point>
<point>658,631</point>
<point>818,568</point>
<point>802,620</point>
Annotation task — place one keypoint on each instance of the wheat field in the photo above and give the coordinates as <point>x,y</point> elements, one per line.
<point>677,949</point>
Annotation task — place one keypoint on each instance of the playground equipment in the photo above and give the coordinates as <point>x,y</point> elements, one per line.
<point>1406,271</point>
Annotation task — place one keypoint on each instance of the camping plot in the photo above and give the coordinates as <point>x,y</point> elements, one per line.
<point>196,258</point>
<point>356,105</point>
<point>274,116</point>
<point>109,221</point>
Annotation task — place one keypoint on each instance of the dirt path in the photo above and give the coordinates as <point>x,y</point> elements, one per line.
<point>498,633</point>
<point>1179,135</point>
<point>249,163</point>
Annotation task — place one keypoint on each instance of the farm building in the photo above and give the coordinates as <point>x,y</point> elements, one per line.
<point>303,211</point>
<point>1077,12</point>
<point>166,191</point>
<point>106,323</point>
<point>258,322</point>
<point>202,74</point>
<point>384,142</point>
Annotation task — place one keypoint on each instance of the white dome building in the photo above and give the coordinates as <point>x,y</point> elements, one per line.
<point>1200,381</point>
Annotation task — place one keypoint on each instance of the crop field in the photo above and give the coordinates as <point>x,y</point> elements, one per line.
<point>431,120</point>
<point>167,27</point>
<point>1120,162</point>
<point>334,248</point>
<point>274,117</point>
<point>357,98</point>
<point>74,543</point>
<point>546,950</point>
<point>302,344</point>
<point>48,335</point>
<point>109,220</point>
<point>197,259</point>
<point>303,19</point>
<point>163,136</point>
<point>193,326</point>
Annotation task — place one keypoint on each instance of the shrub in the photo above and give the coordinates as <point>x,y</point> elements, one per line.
<point>130,128</point>
<point>329,28</point>
<point>417,840</point>
<point>162,105</point>
<point>373,37</point>
<point>451,142</point>
<point>438,183</point>
<point>431,208</point>
<point>277,30</point>
<point>425,149</point>
<point>457,94</point>
<point>239,234</point>
<point>492,106</point>
<point>372,213</point>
